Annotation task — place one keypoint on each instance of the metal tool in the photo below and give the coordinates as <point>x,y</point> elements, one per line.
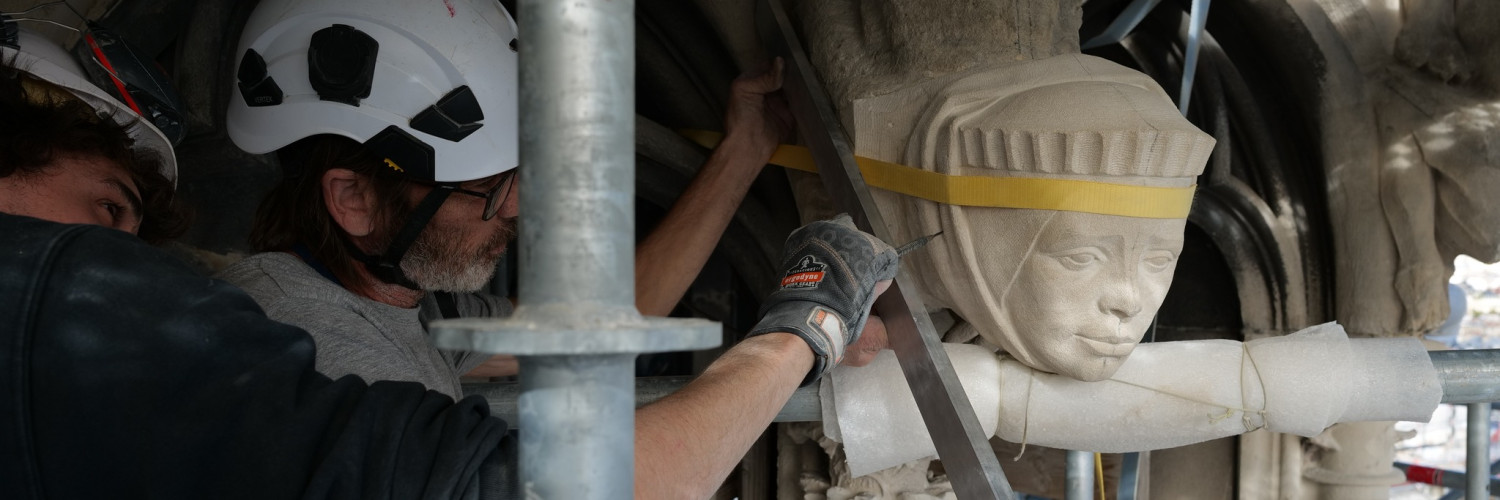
<point>962,445</point>
<point>917,243</point>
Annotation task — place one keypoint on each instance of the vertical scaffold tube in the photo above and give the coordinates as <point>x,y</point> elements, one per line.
<point>577,241</point>
<point>577,426</point>
<point>1080,475</point>
<point>578,153</point>
<point>1478,472</point>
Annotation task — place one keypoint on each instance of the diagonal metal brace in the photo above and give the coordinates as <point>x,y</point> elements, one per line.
<point>961,444</point>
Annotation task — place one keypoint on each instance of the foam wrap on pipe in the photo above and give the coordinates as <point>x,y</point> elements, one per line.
<point>1304,378</point>
<point>877,418</point>
<point>1393,380</point>
<point>1166,395</point>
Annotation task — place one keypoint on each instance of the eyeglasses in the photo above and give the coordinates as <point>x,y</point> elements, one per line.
<point>494,198</point>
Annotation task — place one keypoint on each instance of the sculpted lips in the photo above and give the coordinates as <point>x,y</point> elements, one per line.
<point>1109,345</point>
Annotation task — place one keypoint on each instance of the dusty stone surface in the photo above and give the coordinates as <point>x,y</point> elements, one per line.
<point>1353,461</point>
<point>915,480</point>
<point>1411,155</point>
<point>1431,86</point>
<point>865,48</point>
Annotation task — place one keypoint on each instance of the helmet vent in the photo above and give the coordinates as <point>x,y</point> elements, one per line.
<point>454,117</point>
<point>403,154</point>
<point>341,64</point>
<point>256,86</point>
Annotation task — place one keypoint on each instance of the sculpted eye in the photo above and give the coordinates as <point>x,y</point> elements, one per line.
<point>1078,260</point>
<point>1159,262</point>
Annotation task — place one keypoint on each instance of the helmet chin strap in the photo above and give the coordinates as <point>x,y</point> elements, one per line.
<point>387,266</point>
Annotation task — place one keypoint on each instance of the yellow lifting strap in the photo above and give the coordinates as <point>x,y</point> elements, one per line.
<point>998,192</point>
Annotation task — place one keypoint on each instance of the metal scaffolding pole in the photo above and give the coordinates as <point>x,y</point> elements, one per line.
<point>1469,376</point>
<point>576,329</point>
<point>1132,468</point>
<point>1080,475</point>
<point>1197,19</point>
<point>1478,457</point>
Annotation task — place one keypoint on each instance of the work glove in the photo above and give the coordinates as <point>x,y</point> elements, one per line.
<point>833,274</point>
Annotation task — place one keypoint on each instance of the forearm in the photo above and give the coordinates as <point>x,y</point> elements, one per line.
<point>687,443</point>
<point>668,260</point>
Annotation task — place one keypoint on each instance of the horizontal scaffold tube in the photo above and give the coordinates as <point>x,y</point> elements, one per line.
<point>1469,376</point>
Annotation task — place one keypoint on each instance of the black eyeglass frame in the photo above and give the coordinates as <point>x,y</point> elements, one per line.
<point>492,203</point>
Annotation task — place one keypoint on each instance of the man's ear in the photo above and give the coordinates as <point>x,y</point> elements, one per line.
<point>350,200</point>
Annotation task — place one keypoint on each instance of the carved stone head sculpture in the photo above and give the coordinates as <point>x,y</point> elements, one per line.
<point>1070,283</point>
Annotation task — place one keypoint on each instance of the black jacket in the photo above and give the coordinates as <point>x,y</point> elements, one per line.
<point>125,375</point>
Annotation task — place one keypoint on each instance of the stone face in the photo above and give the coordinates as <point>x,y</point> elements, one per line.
<point>971,91</point>
<point>1064,292</point>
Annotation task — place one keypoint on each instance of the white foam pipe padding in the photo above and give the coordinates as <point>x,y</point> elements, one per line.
<point>1167,394</point>
<point>882,416</point>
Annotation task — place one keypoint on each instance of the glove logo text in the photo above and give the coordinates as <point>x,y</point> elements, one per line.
<point>805,275</point>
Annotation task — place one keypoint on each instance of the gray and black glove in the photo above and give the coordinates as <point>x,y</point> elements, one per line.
<point>831,274</point>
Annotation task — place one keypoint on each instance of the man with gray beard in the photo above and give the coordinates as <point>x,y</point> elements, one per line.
<point>398,149</point>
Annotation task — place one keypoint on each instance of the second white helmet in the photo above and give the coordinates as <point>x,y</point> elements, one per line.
<point>429,87</point>
<point>46,60</point>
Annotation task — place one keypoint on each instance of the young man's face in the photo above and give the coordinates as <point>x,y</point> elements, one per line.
<point>75,189</point>
<point>458,250</point>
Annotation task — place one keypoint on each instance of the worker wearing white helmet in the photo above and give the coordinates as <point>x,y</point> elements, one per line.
<point>70,152</point>
<point>396,125</point>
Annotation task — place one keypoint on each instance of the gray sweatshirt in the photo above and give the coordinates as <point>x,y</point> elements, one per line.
<point>356,335</point>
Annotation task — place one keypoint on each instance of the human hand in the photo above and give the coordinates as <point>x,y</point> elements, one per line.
<point>833,274</point>
<point>871,341</point>
<point>757,118</point>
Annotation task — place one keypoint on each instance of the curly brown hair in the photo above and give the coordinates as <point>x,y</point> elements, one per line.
<point>37,129</point>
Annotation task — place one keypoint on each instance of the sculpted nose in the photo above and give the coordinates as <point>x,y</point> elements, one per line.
<point>1121,300</point>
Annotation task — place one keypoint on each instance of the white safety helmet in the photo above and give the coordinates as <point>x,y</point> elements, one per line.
<point>430,87</point>
<point>46,60</point>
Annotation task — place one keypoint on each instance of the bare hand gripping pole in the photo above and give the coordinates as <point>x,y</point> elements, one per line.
<point>961,444</point>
